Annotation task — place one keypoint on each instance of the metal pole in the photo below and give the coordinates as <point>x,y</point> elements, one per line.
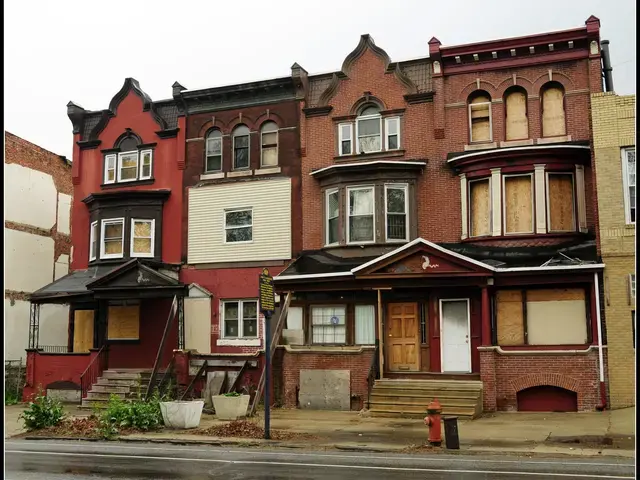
<point>267,382</point>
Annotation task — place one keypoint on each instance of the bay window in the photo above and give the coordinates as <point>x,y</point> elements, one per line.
<point>332,214</point>
<point>112,238</point>
<point>396,206</point>
<point>561,201</point>
<point>142,232</point>
<point>518,204</point>
<point>480,207</point>
<point>360,224</point>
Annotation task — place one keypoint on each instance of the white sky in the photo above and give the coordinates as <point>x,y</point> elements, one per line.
<point>82,50</point>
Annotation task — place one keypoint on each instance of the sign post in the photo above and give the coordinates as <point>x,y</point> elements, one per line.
<point>267,307</point>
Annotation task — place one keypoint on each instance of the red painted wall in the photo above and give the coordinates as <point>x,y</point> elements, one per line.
<point>44,369</point>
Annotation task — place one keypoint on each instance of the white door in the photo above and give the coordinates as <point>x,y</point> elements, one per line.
<point>455,343</point>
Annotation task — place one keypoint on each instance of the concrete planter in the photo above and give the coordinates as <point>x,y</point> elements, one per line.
<point>230,408</point>
<point>182,414</point>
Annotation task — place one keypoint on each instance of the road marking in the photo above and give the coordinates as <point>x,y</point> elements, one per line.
<point>330,455</point>
<point>296,464</point>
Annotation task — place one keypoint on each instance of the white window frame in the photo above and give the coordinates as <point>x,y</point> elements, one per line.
<point>326,208</point>
<point>387,121</point>
<point>233,150</point>
<point>504,205</point>
<point>348,214</point>
<point>206,151</point>
<point>153,232</point>
<point>311,325</point>
<point>395,186</point>
<point>471,140</point>
<point>573,201</point>
<point>342,139</point>
<point>357,139</point>
<point>119,167</point>
<point>230,210</point>
<point>103,224</point>
<point>632,285</point>
<point>625,184</point>
<point>111,157</point>
<point>240,303</point>
<point>141,155</point>
<point>469,209</point>
<point>93,233</point>
<point>262,133</point>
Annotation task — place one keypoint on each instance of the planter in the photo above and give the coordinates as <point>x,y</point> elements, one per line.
<point>182,414</point>
<point>230,408</point>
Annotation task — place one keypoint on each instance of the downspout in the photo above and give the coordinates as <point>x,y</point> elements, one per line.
<point>603,393</point>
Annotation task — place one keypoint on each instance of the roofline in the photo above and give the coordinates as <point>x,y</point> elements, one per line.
<point>588,266</point>
<point>513,149</point>
<point>189,94</point>
<point>313,275</point>
<point>374,162</point>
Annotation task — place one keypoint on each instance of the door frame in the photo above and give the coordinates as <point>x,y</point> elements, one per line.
<point>385,332</point>
<point>440,302</point>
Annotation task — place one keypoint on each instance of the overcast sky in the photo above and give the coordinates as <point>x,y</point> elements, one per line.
<point>56,51</point>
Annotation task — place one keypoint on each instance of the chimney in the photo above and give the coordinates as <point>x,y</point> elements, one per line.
<point>606,66</point>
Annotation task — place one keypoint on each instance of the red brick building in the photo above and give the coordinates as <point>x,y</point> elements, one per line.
<point>449,230</point>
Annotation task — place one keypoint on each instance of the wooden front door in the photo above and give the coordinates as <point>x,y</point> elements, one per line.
<point>402,337</point>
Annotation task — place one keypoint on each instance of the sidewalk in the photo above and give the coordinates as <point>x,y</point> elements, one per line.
<point>593,433</point>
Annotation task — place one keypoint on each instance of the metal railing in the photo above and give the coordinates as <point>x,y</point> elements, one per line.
<point>374,373</point>
<point>54,348</point>
<point>94,370</point>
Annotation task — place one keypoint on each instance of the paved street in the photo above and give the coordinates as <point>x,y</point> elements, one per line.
<point>83,460</point>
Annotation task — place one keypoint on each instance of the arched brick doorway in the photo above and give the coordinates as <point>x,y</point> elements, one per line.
<point>547,398</point>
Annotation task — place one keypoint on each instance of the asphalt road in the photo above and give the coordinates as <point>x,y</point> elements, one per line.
<point>57,460</point>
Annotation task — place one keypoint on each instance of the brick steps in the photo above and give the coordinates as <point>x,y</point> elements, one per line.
<point>125,383</point>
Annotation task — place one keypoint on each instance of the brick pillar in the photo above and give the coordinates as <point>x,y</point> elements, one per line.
<point>30,387</point>
<point>182,367</point>
<point>488,377</point>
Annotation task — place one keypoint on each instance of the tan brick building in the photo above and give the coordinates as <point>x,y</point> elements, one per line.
<point>613,119</point>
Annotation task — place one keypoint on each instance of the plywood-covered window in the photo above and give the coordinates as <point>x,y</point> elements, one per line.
<point>480,117</point>
<point>480,207</point>
<point>510,317</point>
<point>553,114</point>
<point>83,330</point>
<point>123,322</point>
<point>517,124</point>
<point>560,202</point>
<point>518,204</point>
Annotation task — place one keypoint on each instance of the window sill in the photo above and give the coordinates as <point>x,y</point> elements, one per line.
<point>240,173</point>
<point>135,183</point>
<point>238,342</point>
<point>480,146</point>
<point>516,143</point>
<point>521,236</point>
<point>370,156</point>
<point>547,140</point>
<point>268,170</point>
<point>326,349</point>
<point>212,176</point>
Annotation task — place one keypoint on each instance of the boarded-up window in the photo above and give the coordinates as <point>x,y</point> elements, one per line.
<point>124,323</point>
<point>509,317</point>
<point>517,123</point>
<point>518,204</point>
<point>480,208</point>
<point>556,317</point>
<point>561,201</point>
<point>82,330</point>
<point>553,121</point>
<point>480,118</point>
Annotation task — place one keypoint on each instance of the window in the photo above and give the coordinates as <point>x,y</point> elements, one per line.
<point>328,325</point>
<point>345,136</point>
<point>365,324</point>
<point>518,204</point>
<point>480,207</point>
<point>145,164</point>
<point>123,322</point>
<point>238,225</point>
<point>240,319</point>
<point>629,181</point>
<point>560,202</point>
<point>369,130</point>
<point>241,147</point>
<point>142,236</point>
<point>360,224</point>
<point>333,211</point>
<point>632,285</point>
<point>110,168</point>
<point>480,118</point>
<point>517,125</point>
<point>396,209</point>
<point>93,241</point>
<point>111,244</point>
<point>127,166</point>
<point>392,133</point>
<point>553,117</point>
<point>269,140</point>
<point>213,162</point>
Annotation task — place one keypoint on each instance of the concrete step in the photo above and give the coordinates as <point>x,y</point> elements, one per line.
<point>108,388</point>
<point>382,399</point>
<point>461,413</point>
<point>460,384</point>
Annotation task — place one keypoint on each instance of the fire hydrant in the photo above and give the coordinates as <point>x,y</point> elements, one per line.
<point>432,420</point>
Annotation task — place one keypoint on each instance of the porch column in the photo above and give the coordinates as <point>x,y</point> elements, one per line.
<point>380,335</point>
<point>34,325</point>
<point>181,341</point>
<point>486,317</point>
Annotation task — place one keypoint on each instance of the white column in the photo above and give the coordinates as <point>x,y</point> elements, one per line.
<point>541,199</point>
<point>580,196</point>
<point>496,202</point>
<point>463,203</point>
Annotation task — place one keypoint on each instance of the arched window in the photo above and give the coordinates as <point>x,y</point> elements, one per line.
<point>517,124</point>
<point>128,144</point>
<point>553,115</point>
<point>369,130</point>
<point>213,162</point>
<point>480,128</point>
<point>269,145</point>
<point>241,147</point>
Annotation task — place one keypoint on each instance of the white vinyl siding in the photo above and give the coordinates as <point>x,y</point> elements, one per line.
<point>270,201</point>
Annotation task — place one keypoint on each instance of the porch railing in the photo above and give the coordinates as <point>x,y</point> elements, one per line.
<point>374,373</point>
<point>54,348</point>
<point>94,370</point>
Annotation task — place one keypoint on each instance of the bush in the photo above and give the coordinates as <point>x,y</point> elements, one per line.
<point>42,412</point>
<point>11,398</point>
<point>136,414</point>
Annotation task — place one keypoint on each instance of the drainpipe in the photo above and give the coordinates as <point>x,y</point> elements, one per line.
<point>606,66</point>
<point>603,393</point>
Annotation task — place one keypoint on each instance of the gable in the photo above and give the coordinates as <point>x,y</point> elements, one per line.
<point>133,275</point>
<point>424,263</point>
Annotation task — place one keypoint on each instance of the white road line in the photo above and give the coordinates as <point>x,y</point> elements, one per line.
<point>578,460</point>
<point>295,464</point>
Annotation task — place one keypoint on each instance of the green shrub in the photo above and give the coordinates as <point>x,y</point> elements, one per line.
<point>11,398</point>
<point>137,414</point>
<point>42,412</point>
<point>231,394</point>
